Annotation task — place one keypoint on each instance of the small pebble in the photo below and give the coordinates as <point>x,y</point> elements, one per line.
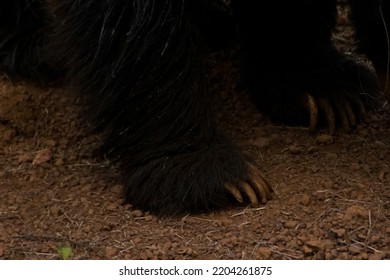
<point>324,139</point>
<point>42,156</point>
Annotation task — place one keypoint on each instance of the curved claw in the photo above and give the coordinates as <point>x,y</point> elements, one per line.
<point>360,108</point>
<point>343,107</point>
<point>350,114</point>
<point>234,192</point>
<point>250,193</point>
<point>343,116</point>
<point>261,186</point>
<point>310,104</point>
<point>256,189</point>
<point>326,107</point>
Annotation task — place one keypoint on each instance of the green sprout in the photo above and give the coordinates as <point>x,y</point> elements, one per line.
<point>65,252</point>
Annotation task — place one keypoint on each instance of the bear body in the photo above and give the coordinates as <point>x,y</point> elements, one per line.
<point>138,64</point>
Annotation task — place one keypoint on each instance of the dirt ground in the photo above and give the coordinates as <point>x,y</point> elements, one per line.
<point>332,193</point>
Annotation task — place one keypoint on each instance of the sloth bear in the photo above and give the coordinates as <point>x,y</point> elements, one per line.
<point>138,64</point>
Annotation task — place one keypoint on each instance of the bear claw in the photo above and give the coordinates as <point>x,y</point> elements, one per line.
<point>256,189</point>
<point>343,108</point>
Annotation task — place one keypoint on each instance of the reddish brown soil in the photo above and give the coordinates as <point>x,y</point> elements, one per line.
<point>332,196</point>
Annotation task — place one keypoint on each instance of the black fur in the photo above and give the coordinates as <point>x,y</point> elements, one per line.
<point>288,51</point>
<point>23,28</point>
<point>138,64</point>
<point>372,21</point>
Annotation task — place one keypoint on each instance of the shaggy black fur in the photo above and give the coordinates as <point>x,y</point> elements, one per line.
<point>372,21</point>
<point>288,52</point>
<point>23,26</point>
<point>138,63</point>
